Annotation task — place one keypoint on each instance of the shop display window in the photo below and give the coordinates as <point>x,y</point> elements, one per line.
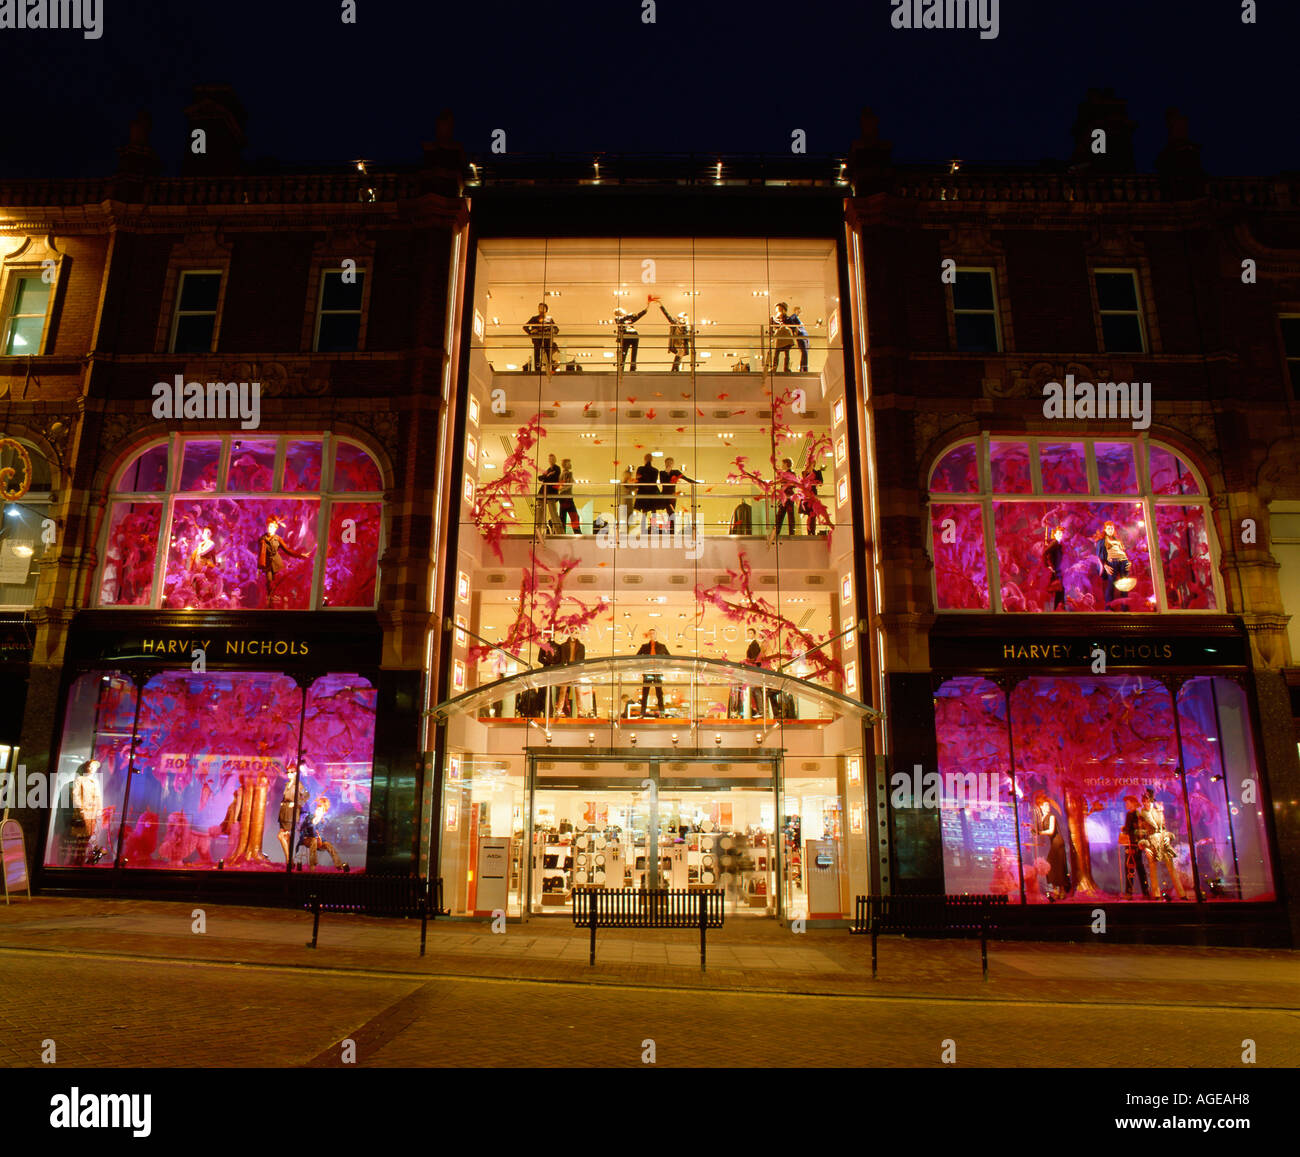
<point>146,473</point>
<point>238,577</point>
<point>91,773</point>
<point>957,471</point>
<point>1112,553</point>
<point>1064,468</point>
<point>252,465</point>
<point>1029,583</point>
<point>302,466</point>
<point>239,546</point>
<point>1010,471</point>
<point>1116,468</point>
<point>199,462</point>
<point>1099,811</point>
<point>1170,474</point>
<point>354,469</point>
<point>127,576</point>
<point>1185,558</point>
<point>214,753</point>
<point>352,554</point>
<point>961,571</point>
<point>977,814</point>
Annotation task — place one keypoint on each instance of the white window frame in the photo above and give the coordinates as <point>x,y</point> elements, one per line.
<point>360,311</point>
<point>995,311</point>
<point>14,277</point>
<point>182,274</point>
<point>1139,312</point>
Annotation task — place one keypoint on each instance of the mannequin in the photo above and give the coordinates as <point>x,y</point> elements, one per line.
<point>313,840</point>
<point>270,547</point>
<point>1158,846</point>
<point>1052,552</point>
<point>1114,562</point>
<point>87,809</point>
<point>294,794</point>
<point>1050,828</point>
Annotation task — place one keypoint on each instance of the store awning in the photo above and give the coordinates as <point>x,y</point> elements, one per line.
<point>629,670</point>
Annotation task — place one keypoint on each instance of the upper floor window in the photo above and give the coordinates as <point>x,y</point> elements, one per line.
<point>975,311</point>
<point>1059,524</point>
<point>1291,346</point>
<point>1120,308</point>
<point>338,314</point>
<point>232,522</point>
<point>194,324</point>
<point>22,527</point>
<point>25,314</point>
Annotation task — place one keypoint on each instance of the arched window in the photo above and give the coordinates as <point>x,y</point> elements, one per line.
<point>1070,524</point>
<point>23,537</point>
<point>244,522</point>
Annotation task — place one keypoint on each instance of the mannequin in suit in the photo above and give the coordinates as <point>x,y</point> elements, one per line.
<point>652,647</point>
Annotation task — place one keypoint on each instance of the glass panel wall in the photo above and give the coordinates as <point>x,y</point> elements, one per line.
<point>622,497</point>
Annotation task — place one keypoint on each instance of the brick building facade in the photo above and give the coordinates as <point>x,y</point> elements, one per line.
<point>933,365</point>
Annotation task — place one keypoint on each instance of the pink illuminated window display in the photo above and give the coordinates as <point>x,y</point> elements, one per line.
<point>1098,811</point>
<point>960,566</point>
<point>239,546</point>
<point>210,787</point>
<point>352,554</point>
<point>1148,553</point>
<point>241,554</point>
<point>127,578</point>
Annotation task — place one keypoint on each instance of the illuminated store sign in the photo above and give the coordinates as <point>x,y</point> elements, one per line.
<point>1085,651</point>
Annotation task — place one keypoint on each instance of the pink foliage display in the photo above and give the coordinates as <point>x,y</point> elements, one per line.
<point>352,554</point>
<point>1185,558</point>
<point>494,504</point>
<point>1009,468</point>
<point>235,582</point>
<point>543,614</point>
<point>354,469</point>
<point>738,602</point>
<point>1064,468</point>
<point>798,487</point>
<point>200,736</point>
<point>131,550</point>
<point>1116,467</point>
<point>960,566</point>
<point>957,471</point>
<point>1019,530</point>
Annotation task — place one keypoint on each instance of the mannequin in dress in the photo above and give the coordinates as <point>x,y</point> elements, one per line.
<point>1049,827</point>
<point>87,809</point>
<point>1158,846</point>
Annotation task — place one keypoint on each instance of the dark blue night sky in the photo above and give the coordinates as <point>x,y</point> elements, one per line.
<point>708,76</point>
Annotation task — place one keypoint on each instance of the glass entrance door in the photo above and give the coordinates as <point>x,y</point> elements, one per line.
<point>656,823</point>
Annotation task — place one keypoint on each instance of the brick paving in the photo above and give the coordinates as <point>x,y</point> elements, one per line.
<point>128,983</point>
<point>114,1011</point>
<point>749,955</point>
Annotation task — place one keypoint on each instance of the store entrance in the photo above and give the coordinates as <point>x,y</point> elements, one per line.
<point>664,821</point>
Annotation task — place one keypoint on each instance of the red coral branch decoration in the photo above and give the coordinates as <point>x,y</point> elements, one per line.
<point>541,617</point>
<point>494,506</point>
<point>786,485</point>
<point>738,603</point>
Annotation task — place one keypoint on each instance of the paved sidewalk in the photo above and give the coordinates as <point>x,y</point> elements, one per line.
<point>745,955</point>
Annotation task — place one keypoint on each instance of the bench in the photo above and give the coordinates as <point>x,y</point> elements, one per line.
<point>700,908</point>
<point>965,915</point>
<point>369,894</point>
